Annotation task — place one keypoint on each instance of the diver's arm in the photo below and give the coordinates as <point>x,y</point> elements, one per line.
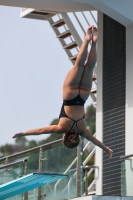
<point>39,131</point>
<point>85,133</point>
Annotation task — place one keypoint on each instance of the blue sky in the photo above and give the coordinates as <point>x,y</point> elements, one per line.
<point>33,66</point>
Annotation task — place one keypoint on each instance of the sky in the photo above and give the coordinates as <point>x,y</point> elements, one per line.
<point>33,66</point>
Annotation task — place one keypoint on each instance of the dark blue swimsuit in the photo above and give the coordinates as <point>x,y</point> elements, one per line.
<point>76,101</point>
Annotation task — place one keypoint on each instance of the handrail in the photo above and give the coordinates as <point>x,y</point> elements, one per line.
<point>14,163</point>
<point>46,146</point>
<point>125,157</point>
<point>90,167</point>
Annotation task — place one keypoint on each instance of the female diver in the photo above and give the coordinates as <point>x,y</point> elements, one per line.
<point>76,90</point>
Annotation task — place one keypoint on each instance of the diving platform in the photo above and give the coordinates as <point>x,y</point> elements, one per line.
<point>27,183</point>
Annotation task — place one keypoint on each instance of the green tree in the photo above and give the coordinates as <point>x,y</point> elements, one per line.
<point>6,149</point>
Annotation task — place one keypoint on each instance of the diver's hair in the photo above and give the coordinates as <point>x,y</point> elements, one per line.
<point>71,139</point>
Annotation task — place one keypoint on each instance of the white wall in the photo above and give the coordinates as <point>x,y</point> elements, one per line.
<point>129,110</point>
<point>129,90</point>
<point>99,115</point>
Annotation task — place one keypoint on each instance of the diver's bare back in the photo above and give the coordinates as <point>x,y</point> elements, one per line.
<point>74,112</point>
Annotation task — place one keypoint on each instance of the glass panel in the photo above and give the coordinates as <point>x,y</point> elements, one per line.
<point>33,162</point>
<point>10,174</point>
<point>58,160</point>
<point>127,178</point>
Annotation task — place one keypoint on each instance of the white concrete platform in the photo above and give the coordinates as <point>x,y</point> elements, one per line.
<point>103,198</point>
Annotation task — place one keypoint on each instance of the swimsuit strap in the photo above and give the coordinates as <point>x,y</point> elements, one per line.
<point>72,126</point>
<point>74,121</point>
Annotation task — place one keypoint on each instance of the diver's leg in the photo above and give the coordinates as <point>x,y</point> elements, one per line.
<point>86,82</point>
<point>74,76</point>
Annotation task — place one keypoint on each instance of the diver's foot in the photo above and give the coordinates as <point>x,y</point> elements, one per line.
<point>88,35</point>
<point>94,34</point>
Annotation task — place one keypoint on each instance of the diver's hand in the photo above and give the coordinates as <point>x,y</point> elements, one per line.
<point>109,151</point>
<point>18,135</point>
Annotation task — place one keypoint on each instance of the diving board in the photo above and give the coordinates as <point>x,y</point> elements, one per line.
<point>27,183</point>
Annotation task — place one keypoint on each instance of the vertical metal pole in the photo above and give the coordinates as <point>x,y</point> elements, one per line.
<point>6,162</point>
<point>25,167</point>
<point>40,170</point>
<point>26,196</point>
<point>69,183</point>
<point>4,178</point>
<point>78,176</point>
<point>86,182</point>
<point>25,173</point>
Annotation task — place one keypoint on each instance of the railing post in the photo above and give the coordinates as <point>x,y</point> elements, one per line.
<point>40,170</point>
<point>78,176</point>
<point>6,161</point>
<point>25,167</point>
<point>86,182</point>
<point>25,173</point>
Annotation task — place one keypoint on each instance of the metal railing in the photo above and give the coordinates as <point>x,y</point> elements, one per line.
<point>14,163</point>
<point>127,157</point>
<point>26,152</point>
<point>44,146</point>
<point>41,159</point>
